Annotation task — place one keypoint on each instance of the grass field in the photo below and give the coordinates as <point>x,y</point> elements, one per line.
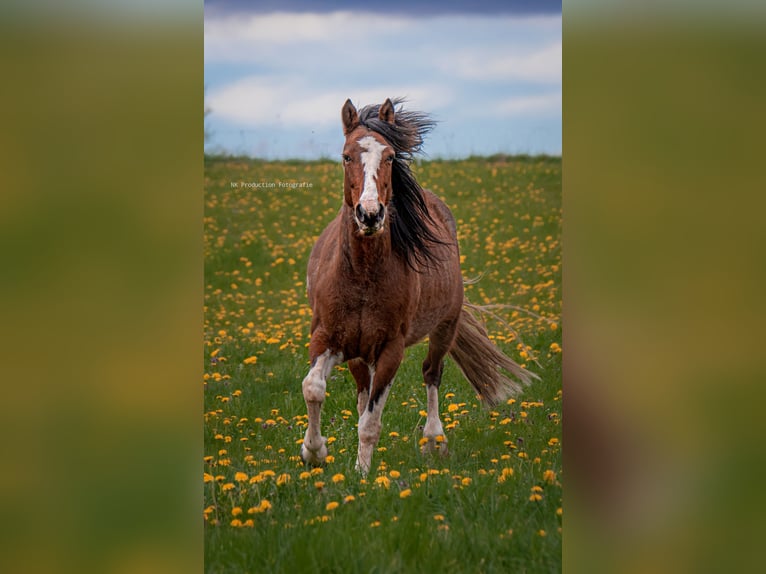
<point>494,504</point>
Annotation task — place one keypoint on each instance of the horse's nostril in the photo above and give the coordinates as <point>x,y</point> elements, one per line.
<point>360,212</point>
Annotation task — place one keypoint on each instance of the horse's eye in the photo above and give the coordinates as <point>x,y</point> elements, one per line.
<point>346,158</point>
<point>390,159</point>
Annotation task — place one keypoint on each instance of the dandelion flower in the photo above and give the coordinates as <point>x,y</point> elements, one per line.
<point>394,474</point>
<point>338,478</point>
<point>405,493</point>
<point>439,517</point>
<point>332,505</point>
<point>283,479</point>
<point>349,498</point>
<point>383,480</point>
<point>241,477</point>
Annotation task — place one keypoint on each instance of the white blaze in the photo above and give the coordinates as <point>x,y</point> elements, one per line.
<point>371,162</point>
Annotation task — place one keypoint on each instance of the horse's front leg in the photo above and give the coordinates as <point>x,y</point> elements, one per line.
<point>381,377</point>
<point>314,447</point>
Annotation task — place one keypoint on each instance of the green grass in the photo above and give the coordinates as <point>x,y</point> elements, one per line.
<point>462,515</point>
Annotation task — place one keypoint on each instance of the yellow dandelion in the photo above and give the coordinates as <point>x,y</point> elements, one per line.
<point>537,488</point>
<point>393,434</point>
<point>241,477</point>
<point>251,360</point>
<point>375,524</point>
<point>304,475</point>
<point>248,523</point>
<point>394,474</point>
<point>264,505</point>
<point>319,485</point>
<point>236,511</point>
<point>207,477</point>
<point>330,459</point>
<point>439,517</point>
<point>559,511</point>
<point>227,486</point>
<point>542,533</point>
<point>236,522</point>
<point>422,441</point>
<point>405,493</point>
<point>332,505</point>
<point>466,481</point>
<point>553,442</point>
<point>549,476</point>
<point>349,498</point>
<point>283,479</point>
<point>338,478</point>
<point>535,497</point>
<point>384,481</point>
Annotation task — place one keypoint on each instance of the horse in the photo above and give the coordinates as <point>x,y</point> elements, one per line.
<point>383,275</point>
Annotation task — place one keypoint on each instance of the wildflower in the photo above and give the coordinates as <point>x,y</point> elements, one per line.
<point>394,474</point>
<point>304,475</point>
<point>330,458</point>
<point>249,523</point>
<point>549,476</point>
<point>393,434</point>
<point>349,498</point>
<point>332,505</point>
<point>405,493</point>
<point>452,407</point>
<point>375,524</point>
<point>207,477</point>
<point>251,360</point>
<point>236,511</point>
<point>422,441</point>
<point>338,478</point>
<point>439,517</point>
<point>466,481</point>
<point>283,479</point>
<point>537,488</point>
<point>553,442</point>
<point>535,497</point>
<point>559,511</point>
<point>227,486</point>
<point>505,474</point>
<point>383,480</point>
<point>236,522</point>
<point>319,485</point>
<point>542,533</point>
<point>241,477</point>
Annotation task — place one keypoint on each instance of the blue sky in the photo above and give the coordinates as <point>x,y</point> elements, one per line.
<point>276,78</point>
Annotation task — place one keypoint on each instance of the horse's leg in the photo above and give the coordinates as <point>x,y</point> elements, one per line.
<point>362,376</point>
<point>314,448</point>
<point>439,343</point>
<point>381,377</point>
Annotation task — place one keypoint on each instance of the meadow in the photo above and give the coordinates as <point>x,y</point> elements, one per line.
<point>494,503</point>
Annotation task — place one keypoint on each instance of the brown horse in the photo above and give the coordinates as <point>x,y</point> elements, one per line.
<point>384,274</point>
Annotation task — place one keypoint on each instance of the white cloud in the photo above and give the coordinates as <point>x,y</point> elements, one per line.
<point>256,37</point>
<point>268,101</point>
<point>529,105</point>
<point>543,65</point>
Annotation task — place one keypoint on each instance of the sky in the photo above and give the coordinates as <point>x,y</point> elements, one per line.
<point>278,73</point>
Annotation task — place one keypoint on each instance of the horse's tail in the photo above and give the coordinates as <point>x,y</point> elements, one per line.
<point>481,362</point>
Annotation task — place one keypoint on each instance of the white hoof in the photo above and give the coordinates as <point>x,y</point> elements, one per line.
<point>317,457</point>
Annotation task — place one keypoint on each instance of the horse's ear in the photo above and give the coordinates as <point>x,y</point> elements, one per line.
<point>386,112</point>
<point>349,116</point>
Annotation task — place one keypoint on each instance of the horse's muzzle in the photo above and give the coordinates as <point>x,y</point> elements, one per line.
<point>370,223</point>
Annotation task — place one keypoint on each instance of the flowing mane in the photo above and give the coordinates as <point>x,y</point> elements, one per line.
<point>411,237</point>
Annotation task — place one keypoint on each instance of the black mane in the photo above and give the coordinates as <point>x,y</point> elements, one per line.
<point>411,237</point>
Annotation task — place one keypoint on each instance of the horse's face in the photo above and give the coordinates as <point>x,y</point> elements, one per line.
<point>367,161</point>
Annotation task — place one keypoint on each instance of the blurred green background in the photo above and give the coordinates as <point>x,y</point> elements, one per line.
<point>100,231</point>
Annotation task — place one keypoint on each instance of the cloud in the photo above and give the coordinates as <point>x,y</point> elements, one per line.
<point>543,104</point>
<point>259,36</point>
<point>542,65</point>
<point>258,101</point>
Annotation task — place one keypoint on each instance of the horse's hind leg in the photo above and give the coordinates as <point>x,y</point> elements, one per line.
<point>314,447</point>
<point>438,346</point>
<point>361,374</point>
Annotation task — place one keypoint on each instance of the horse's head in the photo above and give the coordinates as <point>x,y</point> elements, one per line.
<point>367,161</point>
